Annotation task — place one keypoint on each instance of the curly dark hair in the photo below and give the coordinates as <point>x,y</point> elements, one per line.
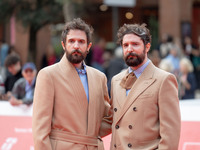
<point>12,59</point>
<point>77,24</point>
<point>139,30</point>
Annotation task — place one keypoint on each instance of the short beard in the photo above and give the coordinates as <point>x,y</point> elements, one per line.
<point>75,58</point>
<point>136,60</point>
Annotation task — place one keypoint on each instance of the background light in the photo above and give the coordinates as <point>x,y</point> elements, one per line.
<point>103,7</point>
<point>129,15</point>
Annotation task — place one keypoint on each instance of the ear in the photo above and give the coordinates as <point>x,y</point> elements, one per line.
<point>89,46</point>
<point>148,46</point>
<point>63,45</point>
<point>23,73</point>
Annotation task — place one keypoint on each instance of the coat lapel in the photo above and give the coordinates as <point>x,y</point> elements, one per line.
<point>74,82</point>
<point>121,91</point>
<point>92,92</point>
<point>141,84</point>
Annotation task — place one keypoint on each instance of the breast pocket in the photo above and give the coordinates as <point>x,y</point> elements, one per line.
<point>146,95</point>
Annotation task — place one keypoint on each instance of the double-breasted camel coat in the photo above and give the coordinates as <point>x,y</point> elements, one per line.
<point>149,117</point>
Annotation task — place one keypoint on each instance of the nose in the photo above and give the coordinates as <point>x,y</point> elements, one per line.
<point>76,45</point>
<point>130,48</point>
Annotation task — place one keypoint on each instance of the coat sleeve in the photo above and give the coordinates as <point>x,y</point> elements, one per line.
<point>42,111</point>
<point>105,128</point>
<point>169,114</point>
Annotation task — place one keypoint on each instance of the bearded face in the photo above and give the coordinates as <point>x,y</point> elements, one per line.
<point>134,50</point>
<point>133,59</point>
<point>76,46</point>
<point>76,56</point>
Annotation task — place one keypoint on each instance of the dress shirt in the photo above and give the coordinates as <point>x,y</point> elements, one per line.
<point>137,72</point>
<point>83,76</point>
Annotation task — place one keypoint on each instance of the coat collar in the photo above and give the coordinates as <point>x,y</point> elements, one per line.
<point>73,80</point>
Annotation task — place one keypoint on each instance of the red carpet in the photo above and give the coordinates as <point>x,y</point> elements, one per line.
<point>16,133</point>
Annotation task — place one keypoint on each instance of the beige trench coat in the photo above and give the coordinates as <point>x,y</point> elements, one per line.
<point>62,117</point>
<point>149,117</point>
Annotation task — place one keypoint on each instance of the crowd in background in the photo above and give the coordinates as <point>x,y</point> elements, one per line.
<point>172,55</point>
<point>183,60</point>
<point>17,81</point>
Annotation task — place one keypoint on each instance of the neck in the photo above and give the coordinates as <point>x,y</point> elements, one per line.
<point>136,67</point>
<point>29,82</point>
<point>79,66</point>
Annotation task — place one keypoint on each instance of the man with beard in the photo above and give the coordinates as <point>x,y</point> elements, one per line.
<point>71,103</point>
<point>144,98</point>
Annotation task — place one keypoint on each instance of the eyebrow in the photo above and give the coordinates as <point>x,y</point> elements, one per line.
<point>131,42</point>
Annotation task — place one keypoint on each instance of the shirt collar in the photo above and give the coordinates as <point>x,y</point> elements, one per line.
<point>139,71</point>
<point>82,71</point>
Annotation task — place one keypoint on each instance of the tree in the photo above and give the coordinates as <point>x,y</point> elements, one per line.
<point>34,14</point>
<point>77,8</point>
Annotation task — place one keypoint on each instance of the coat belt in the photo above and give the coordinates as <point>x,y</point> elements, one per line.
<point>77,138</point>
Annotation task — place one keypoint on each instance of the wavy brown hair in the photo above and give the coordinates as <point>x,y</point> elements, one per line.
<point>139,30</point>
<point>77,24</point>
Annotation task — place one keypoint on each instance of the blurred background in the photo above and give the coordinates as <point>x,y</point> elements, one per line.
<point>31,25</point>
<point>32,28</point>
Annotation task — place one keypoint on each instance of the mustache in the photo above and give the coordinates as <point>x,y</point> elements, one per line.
<point>131,54</point>
<point>76,51</point>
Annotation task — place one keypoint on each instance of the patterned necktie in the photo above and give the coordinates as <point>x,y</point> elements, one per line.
<point>128,81</point>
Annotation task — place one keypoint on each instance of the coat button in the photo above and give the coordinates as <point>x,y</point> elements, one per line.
<point>129,145</point>
<point>115,145</point>
<point>134,108</point>
<point>130,126</point>
<point>115,109</point>
<point>117,127</point>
